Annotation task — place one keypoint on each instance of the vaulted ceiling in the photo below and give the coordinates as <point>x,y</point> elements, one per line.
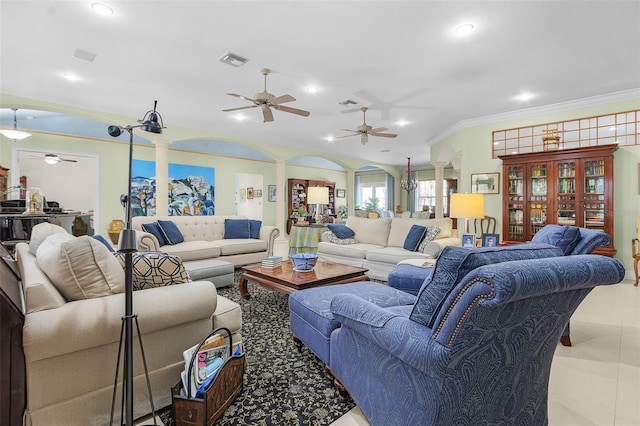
<point>401,59</point>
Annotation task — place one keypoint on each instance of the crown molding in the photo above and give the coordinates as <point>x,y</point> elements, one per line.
<point>623,95</point>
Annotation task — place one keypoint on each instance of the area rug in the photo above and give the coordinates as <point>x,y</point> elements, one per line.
<point>281,385</point>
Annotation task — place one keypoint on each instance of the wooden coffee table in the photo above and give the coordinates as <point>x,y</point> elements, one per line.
<point>285,280</point>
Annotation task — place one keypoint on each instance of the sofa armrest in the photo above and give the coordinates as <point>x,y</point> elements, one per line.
<point>407,340</point>
<point>83,324</point>
<point>147,241</point>
<point>449,241</point>
<point>269,234</point>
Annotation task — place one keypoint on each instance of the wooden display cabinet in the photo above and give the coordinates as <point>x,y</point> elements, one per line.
<point>297,190</point>
<point>3,182</point>
<point>565,187</point>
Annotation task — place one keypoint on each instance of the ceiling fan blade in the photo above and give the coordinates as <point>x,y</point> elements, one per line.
<point>282,99</point>
<point>377,130</point>
<point>70,161</point>
<point>292,110</point>
<point>241,97</point>
<point>346,136</point>
<point>384,135</point>
<point>267,113</point>
<point>236,109</point>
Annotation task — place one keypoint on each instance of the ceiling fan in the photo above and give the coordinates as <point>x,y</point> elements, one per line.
<point>266,101</point>
<point>55,159</point>
<point>364,130</point>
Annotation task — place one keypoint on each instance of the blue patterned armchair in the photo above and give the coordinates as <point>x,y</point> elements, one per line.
<point>477,353</point>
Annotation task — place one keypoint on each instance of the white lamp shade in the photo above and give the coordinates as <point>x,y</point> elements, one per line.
<point>15,134</point>
<point>318,195</point>
<point>467,206</point>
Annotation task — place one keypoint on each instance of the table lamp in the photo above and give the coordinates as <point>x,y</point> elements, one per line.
<point>467,206</point>
<point>318,195</point>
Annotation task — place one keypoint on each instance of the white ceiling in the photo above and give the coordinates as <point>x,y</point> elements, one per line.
<point>401,59</point>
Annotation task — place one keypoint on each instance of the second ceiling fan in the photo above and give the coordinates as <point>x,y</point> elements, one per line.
<point>266,101</point>
<point>364,130</point>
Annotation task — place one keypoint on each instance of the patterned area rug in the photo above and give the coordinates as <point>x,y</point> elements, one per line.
<point>281,385</point>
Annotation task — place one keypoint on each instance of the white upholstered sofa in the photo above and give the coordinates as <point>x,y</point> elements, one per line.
<point>70,346</point>
<point>380,244</point>
<point>204,238</point>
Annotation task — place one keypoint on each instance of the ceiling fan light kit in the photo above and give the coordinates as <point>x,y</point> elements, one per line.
<point>15,134</point>
<point>266,101</point>
<point>364,130</point>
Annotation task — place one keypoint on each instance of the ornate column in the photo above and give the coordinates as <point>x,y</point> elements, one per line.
<point>439,167</point>
<point>162,177</point>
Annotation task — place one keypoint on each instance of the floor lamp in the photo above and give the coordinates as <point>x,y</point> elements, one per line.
<point>152,122</point>
<point>467,206</point>
<point>318,195</point>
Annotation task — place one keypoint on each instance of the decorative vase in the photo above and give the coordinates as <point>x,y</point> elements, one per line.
<point>114,228</point>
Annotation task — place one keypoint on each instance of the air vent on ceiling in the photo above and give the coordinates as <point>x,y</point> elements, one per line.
<point>85,55</point>
<point>348,102</point>
<point>233,59</point>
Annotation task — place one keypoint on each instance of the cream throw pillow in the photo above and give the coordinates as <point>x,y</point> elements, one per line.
<point>40,232</point>
<point>80,268</point>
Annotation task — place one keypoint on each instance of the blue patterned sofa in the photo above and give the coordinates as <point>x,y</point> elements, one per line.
<point>475,347</point>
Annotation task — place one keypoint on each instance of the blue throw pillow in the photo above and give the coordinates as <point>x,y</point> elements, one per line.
<point>341,231</point>
<point>562,236</point>
<point>236,228</point>
<point>154,229</point>
<point>171,232</point>
<point>254,228</point>
<point>104,241</point>
<point>414,237</point>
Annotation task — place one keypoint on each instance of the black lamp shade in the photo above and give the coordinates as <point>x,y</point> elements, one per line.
<point>151,124</point>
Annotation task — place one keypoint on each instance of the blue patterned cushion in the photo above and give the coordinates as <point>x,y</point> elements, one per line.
<point>414,237</point>
<point>171,232</point>
<point>454,263</point>
<point>431,233</point>
<point>341,231</point>
<point>563,236</point>
<point>236,228</point>
<point>155,269</point>
<point>254,228</point>
<point>154,229</point>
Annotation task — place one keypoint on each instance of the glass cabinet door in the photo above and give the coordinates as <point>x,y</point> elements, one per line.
<point>516,203</point>
<point>537,198</point>
<point>567,193</point>
<point>593,199</point>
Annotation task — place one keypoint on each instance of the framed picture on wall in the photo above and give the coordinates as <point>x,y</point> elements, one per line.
<point>272,193</point>
<point>257,193</point>
<point>341,193</point>
<point>485,183</point>
<point>250,193</point>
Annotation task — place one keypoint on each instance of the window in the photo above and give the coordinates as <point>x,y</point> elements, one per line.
<point>370,191</point>
<point>426,195</point>
<point>374,186</point>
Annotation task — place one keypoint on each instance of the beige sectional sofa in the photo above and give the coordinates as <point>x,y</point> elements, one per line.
<point>204,238</point>
<point>380,244</point>
<point>71,346</point>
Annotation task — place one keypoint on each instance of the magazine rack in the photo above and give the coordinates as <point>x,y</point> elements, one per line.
<point>227,385</point>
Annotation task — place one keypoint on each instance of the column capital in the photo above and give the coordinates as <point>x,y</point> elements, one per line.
<point>161,142</point>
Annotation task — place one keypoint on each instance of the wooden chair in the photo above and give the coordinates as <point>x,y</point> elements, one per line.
<point>635,252</point>
<point>486,225</point>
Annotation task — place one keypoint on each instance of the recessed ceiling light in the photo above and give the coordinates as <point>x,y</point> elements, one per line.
<point>102,9</point>
<point>71,77</point>
<point>402,123</point>
<point>312,89</point>
<point>464,29</point>
<point>329,138</point>
<point>240,117</point>
<point>525,96</point>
